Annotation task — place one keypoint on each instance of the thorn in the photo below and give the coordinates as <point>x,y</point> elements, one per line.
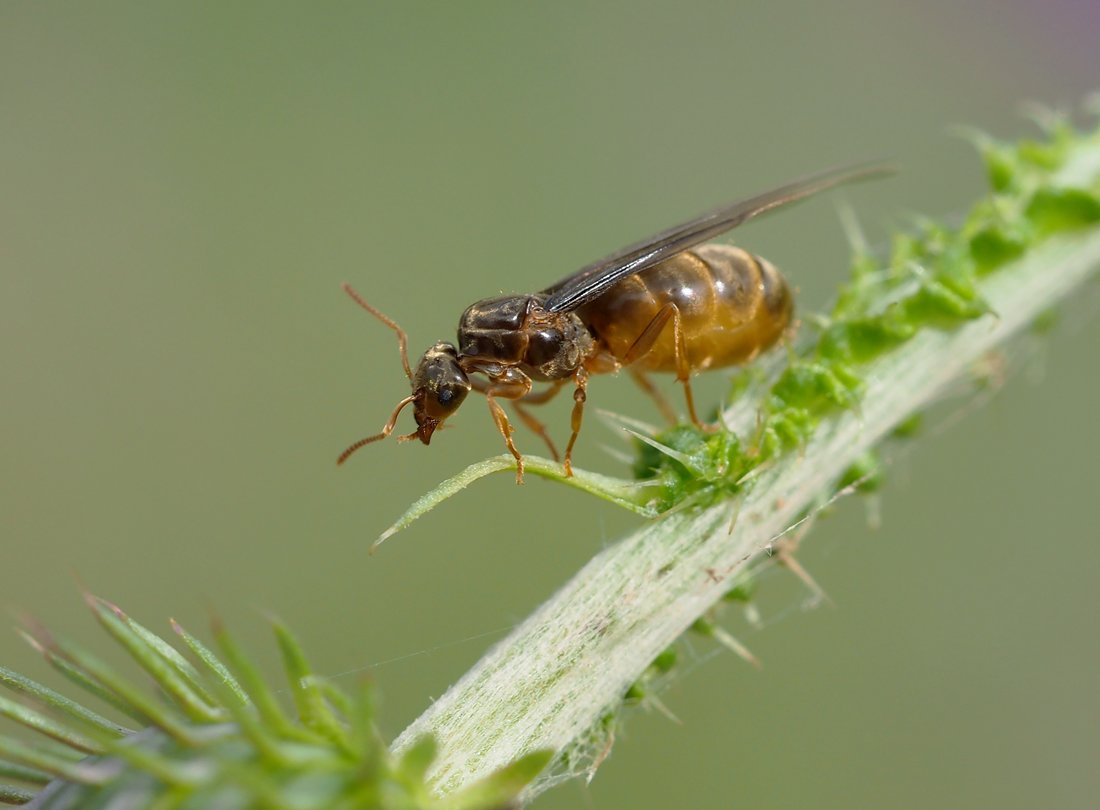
<point>735,514</point>
<point>98,603</point>
<point>35,633</point>
<point>721,421</point>
<point>618,420</point>
<point>79,581</point>
<point>91,601</point>
<point>752,616</point>
<point>683,458</point>
<point>35,644</point>
<point>1045,118</point>
<point>755,472</point>
<point>382,538</point>
<point>730,643</point>
<point>784,555</point>
<point>657,704</point>
<point>605,752</point>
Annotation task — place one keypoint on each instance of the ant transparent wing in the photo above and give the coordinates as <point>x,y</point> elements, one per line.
<point>592,281</point>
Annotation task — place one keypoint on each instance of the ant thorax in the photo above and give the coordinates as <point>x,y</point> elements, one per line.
<point>516,330</point>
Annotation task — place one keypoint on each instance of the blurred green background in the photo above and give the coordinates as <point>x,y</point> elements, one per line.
<point>185,185</point>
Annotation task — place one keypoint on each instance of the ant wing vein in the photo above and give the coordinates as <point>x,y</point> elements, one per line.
<point>593,280</point>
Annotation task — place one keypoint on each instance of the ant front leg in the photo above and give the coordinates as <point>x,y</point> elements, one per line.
<point>505,428</point>
<point>512,384</point>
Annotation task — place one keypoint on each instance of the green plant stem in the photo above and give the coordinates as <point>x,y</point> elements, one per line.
<point>553,680</point>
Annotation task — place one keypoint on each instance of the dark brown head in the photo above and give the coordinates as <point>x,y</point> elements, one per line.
<point>439,387</point>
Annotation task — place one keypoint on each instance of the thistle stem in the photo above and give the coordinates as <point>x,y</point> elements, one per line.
<point>551,682</point>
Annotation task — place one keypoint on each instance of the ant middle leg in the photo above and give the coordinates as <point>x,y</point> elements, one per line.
<point>536,427</point>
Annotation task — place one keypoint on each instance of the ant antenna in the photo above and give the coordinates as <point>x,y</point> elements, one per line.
<point>402,338</point>
<point>386,431</point>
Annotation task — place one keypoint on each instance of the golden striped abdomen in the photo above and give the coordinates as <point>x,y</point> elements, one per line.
<point>732,306</point>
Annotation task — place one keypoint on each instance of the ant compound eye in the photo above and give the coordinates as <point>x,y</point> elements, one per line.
<point>449,396</point>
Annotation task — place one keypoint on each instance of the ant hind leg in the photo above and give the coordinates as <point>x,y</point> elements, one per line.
<point>658,398</point>
<point>645,342</point>
<point>579,397</point>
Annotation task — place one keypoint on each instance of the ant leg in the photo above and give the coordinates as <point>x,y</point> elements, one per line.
<point>683,368</point>
<point>505,428</point>
<point>516,389</point>
<point>644,342</point>
<point>533,424</point>
<point>545,395</point>
<point>536,427</point>
<point>511,384</point>
<point>648,337</point>
<point>662,404</point>
<point>579,397</point>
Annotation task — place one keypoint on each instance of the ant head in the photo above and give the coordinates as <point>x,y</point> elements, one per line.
<point>439,387</point>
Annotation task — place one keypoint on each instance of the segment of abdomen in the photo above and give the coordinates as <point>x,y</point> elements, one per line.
<point>732,306</point>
